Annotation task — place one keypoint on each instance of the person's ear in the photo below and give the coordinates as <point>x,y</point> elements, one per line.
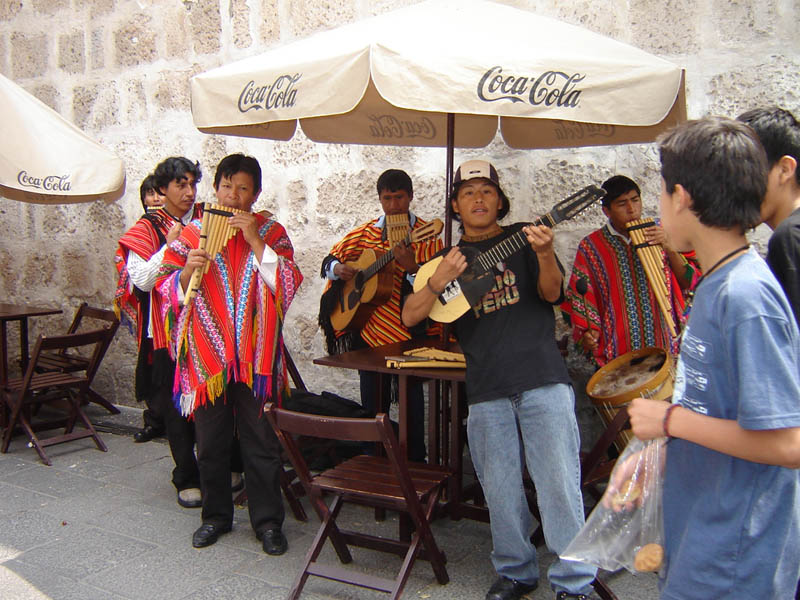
<point>606,212</point>
<point>787,167</point>
<point>681,198</point>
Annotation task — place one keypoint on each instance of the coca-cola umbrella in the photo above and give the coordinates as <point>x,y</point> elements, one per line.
<point>45,159</point>
<point>441,73</point>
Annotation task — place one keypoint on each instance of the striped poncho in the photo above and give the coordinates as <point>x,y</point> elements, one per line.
<point>619,302</point>
<point>231,331</point>
<point>143,239</point>
<point>384,325</point>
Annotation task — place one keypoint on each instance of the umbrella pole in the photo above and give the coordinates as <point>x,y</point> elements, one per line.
<point>448,210</point>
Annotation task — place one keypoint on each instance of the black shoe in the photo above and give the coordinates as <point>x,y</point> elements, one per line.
<point>565,595</point>
<point>274,542</point>
<point>147,433</point>
<point>509,589</point>
<point>208,534</point>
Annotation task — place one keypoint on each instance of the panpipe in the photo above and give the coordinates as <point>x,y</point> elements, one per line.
<point>653,263</point>
<point>149,210</point>
<point>397,227</point>
<point>215,231</point>
<point>426,358</point>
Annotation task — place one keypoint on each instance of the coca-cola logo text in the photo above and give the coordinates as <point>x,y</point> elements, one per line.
<point>390,127</point>
<point>548,89</point>
<point>49,183</point>
<point>281,93</point>
<point>570,130</point>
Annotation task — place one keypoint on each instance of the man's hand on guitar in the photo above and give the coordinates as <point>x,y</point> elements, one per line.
<point>404,256</point>
<point>452,265</point>
<point>344,272</point>
<point>540,237</point>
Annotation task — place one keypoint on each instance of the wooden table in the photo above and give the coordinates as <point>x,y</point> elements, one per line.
<point>444,417</point>
<point>18,312</point>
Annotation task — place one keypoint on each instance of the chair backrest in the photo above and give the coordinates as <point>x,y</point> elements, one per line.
<point>111,321</point>
<point>288,424</point>
<point>99,338</point>
<point>293,371</point>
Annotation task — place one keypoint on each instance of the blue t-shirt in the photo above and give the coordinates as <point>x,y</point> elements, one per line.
<point>732,527</point>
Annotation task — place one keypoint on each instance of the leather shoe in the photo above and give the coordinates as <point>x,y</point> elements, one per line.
<point>509,589</point>
<point>147,433</point>
<point>190,498</point>
<point>208,534</point>
<point>274,542</point>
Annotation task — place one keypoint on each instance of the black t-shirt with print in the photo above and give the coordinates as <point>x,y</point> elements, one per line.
<point>509,340</point>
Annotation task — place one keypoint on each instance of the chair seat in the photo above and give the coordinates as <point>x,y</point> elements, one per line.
<point>62,362</point>
<point>372,477</point>
<point>43,381</point>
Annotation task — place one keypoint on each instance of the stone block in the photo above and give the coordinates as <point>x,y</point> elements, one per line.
<point>298,205</point>
<point>666,26</point>
<point>29,55</point>
<point>97,52</point>
<point>740,23</point>
<point>240,20</point>
<point>206,26</point>
<point>347,200</point>
<point>773,82</point>
<point>178,39</point>
<point>309,16</point>
<point>4,69</point>
<point>135,42</point>
<point>71,54</point>
<point>173,90</point>
<point>9,9</point>
<point>49,7</point>
<point>270,30</point>
<point>95,106</point>
<point>49,95</point>
<point>215,148</point>
<point>98,8</point>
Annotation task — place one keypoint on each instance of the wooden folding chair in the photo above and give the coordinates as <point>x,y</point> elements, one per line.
<point>35,389</point>
<point>388,482</point>
<point>69,361</point>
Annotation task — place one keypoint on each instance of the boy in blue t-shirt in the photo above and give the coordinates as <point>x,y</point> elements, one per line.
<point>732,488</point>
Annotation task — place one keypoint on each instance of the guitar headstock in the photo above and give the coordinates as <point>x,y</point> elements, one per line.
<point>576,203</point>
<point>427,231</point>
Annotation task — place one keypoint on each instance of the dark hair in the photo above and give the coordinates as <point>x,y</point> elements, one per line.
<point>394,180</point>
<point>616,186</point>
<point>176,168</point>
<point>506,203</point>
<point>148,184</point>
<point>778,131</point>
<point>238,163</point>
<point>722,165</point>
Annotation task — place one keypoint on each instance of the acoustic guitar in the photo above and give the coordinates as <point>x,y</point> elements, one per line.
<point>478,278</point>
<point>372,285</point>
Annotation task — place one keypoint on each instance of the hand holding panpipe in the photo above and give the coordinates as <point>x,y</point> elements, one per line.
<point>652,260</point>
<point>215,231</point>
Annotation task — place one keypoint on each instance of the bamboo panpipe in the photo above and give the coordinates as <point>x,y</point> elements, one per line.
<point>397,228</point>
<point>652,260</point>
<point>215,231</point>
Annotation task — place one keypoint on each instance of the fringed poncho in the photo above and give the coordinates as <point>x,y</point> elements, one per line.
<point>619,302</point>
<point>231,331</point>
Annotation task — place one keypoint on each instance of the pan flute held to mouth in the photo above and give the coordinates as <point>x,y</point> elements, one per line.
<point>652,260</point>
<point>215,232</point>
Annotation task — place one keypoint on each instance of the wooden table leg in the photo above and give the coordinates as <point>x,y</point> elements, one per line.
<point>3,373</point>
<point>23,343</point>
<point>456,447</point>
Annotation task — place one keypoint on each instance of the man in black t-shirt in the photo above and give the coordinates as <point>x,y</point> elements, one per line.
<point>521,403</point>
<point>779,133</point>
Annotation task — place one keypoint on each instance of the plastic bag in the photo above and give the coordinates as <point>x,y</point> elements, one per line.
<point>625,529</point>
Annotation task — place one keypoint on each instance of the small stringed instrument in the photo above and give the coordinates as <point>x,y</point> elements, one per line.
<point>372,285</point>
<point>468,289</point>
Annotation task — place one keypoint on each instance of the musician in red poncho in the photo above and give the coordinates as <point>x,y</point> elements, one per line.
<point>138,260</point>
<point>228,347</point>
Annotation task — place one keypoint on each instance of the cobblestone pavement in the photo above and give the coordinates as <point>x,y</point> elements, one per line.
<point>106,526</point>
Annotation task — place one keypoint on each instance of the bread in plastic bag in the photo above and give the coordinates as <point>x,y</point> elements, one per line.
<point>625,529</point>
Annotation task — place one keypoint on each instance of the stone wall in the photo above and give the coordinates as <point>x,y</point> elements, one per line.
<point>120,70</point>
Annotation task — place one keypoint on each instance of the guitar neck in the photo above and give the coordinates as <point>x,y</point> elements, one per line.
<point>383,260</point>
<point>513,243</point>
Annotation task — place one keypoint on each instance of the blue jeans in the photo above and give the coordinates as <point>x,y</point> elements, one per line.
<point>539,425</point>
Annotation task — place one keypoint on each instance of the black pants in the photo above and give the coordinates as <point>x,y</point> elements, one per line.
<point>416,408</point>
<point>215,425</point>
<point>146,388</point>
<point>180,431</point>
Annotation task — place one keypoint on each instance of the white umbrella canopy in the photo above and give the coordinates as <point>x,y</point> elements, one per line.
<point>394,79</point>
<point>45,159</point>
